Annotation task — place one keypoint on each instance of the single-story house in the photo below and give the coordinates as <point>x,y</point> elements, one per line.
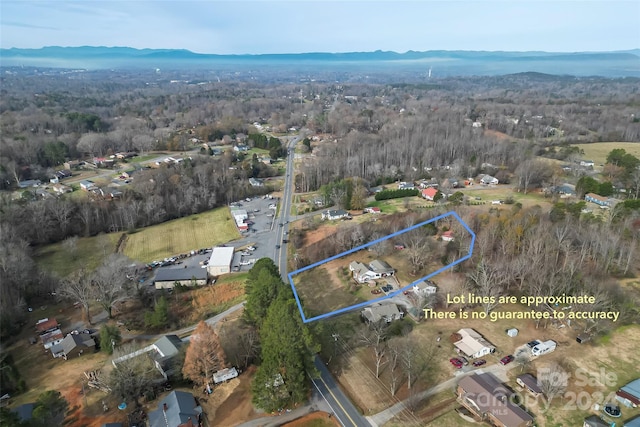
<point>406,186</point>
<point>379,311</point>
<point>530,383</point>
<point>256,182</point>
<point>472,344</point>
<point>489,180</point>
<point>63,173</point>
<point>225,374</point>
<point>61,188</point>
<point>566,190</point>
<point>488,399</point>
<point>375,270</point>
<point>71,164</point>
<point>87,185</point>
<point>166,278</point>
<point>429,193</point>
<point>29,183</point>
<point>629,394</point>
<point>587,163</point>
<point>161,351</point>
<point>335,214</point>
<point>447,236</point>
<point>595,421</point>
<point>424,288</point>
<point>597,199</point>
<point>266,160</point>
<point>178,409</point>
<point>73,345</point>
<point>51,338</point>
<point>382,268</point>
<point>220,260</point>
<point>372,210</point>
<point>240,148</point>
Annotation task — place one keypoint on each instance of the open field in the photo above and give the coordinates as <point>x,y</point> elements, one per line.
<point>181,235</point>
<point>320,292</point>
<point>89,254</point>
<point>598,151</point>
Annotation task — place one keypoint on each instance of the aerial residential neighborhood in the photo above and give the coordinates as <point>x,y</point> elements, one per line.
<point>319,214</point>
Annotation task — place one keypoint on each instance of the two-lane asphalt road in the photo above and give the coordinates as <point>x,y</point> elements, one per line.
<point>282,221</point>
<point>343,409</point>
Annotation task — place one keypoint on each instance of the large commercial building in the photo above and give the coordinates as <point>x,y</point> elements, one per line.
<point>166,278</point>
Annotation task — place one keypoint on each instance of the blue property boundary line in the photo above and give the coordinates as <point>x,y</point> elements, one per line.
<point>366,303</point>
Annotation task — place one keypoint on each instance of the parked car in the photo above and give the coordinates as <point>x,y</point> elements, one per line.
<point>464,360</point>
<point>456,362</point>
<point>277,246</point>
<point>376,291</point>
<point>506,360</point>
<point>285,241</point>
<point>479,362</point>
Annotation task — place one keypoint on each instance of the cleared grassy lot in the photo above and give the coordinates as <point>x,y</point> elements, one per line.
<point>181,235</point>
<point>156,242</point>
<point>90,252</point>
<point>598,151</point>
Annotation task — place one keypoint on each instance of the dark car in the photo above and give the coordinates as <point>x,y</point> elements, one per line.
<point>456,362</point>
<point>506,360</point>
<point>479,362</point>
<point>277,246</point>
<point>285,241</point>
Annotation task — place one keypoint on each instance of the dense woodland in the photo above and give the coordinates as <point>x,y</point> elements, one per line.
<point>376,132</point>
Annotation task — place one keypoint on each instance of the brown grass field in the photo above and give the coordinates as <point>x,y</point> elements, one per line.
<point>181,235</point>
<point>597,151</point>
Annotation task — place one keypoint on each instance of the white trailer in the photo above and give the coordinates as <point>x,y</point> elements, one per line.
<point>225,375</point>
<point>543,348</point>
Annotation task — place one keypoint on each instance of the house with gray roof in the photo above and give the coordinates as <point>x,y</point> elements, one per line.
<point>73,345</point>
<point>178,409</point>
<point>379,311</point>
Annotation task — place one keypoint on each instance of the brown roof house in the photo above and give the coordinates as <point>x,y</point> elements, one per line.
<point>489,400</point>
<point>530,383</point>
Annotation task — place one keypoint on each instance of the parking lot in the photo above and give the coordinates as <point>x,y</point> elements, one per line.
<point>260,236</point>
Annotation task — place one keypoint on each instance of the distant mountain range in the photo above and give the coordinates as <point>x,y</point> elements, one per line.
<point>609,64</point>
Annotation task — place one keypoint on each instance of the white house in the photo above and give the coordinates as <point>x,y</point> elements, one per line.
<point>489,180</point>
<point>472,344</point>
<point>335,214</point>
<point>424,288</point>
<point>587,163</point>
<point>256,182</point>
<point>375,270</point>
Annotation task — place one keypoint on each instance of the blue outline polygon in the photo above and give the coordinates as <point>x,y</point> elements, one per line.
<point>366,303</point>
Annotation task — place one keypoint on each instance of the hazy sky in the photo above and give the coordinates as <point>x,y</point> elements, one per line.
<point>239,26</point>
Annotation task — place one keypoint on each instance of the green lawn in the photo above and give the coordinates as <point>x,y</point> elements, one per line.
<point>181,235</point>
<point>139,159</point>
